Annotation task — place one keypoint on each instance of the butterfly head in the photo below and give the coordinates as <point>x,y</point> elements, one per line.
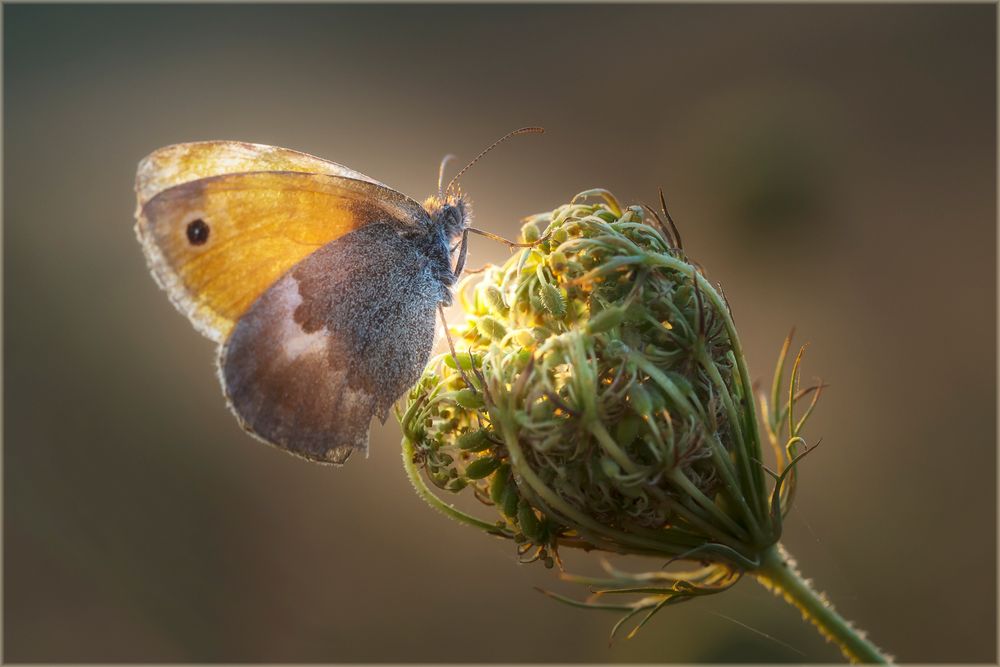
<point>450,209</point>
<point>450,213</point>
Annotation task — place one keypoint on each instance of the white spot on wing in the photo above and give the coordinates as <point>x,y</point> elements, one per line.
<point>294,341</point>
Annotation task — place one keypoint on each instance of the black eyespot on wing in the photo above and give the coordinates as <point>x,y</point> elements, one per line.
<point>197,232</point>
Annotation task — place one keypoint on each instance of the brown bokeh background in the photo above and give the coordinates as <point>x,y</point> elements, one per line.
<point>832,166</point>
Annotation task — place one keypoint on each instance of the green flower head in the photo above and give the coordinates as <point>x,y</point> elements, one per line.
<point>597,397</point>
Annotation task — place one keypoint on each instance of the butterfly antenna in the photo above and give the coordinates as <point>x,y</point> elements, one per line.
<point>523,130</point>
<point>444,162</point>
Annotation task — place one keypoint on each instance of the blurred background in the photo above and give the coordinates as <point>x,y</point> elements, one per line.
<point>832,166</point>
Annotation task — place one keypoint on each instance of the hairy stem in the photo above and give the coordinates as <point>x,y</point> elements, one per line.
<point>777,572</point>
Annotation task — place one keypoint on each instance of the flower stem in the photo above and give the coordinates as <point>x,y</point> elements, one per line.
<point>777,573</point>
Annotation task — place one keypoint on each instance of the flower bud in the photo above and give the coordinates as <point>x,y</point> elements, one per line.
<point>529,232</point>
<point>494,299</point>
<point>619,410</point>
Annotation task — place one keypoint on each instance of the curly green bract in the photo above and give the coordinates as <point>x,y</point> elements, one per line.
<point>596,396</point>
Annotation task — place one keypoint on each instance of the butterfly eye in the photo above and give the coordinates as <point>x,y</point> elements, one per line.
<point>197,232</point>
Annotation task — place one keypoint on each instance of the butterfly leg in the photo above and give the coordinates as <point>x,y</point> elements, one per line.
<point>451,347</point>
<point>463,251</point>
<point>481,269</point>
<point>512,244</point>
<point>463,254</point>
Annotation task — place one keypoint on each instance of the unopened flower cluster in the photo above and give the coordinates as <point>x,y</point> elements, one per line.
<point>596,396</point>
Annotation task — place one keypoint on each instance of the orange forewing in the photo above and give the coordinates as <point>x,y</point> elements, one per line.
<point>260,224</point>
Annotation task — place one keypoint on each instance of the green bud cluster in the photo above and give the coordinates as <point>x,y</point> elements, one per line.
<point>596,396</point>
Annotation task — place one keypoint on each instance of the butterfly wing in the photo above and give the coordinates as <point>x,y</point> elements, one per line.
<point>216,243</point>
<point>335,341</point>
<point>181,163</point>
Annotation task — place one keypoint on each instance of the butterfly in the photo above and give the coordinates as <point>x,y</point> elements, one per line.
<point>319,284</point>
